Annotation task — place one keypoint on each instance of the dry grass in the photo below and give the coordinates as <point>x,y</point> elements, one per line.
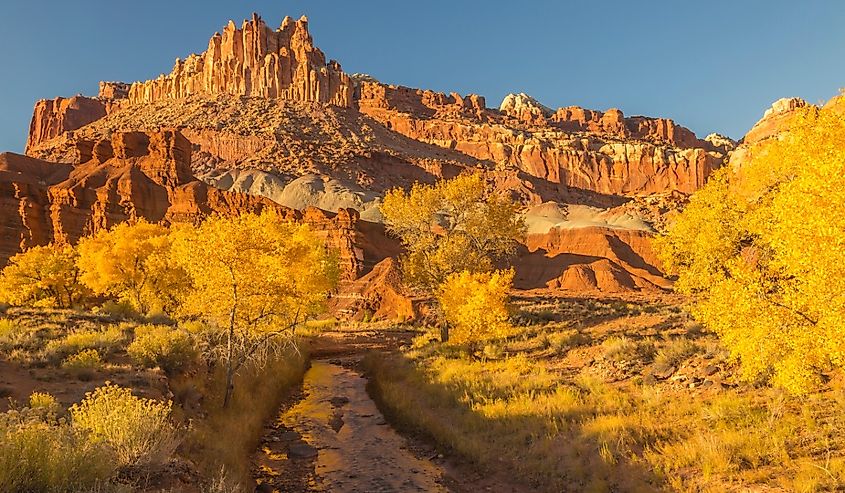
<point>544,407</point>
<point>223,441</point>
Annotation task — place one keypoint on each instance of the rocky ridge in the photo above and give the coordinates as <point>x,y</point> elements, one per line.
<point>265,116</point>
<point>129,176</point>
<point>254,60</point>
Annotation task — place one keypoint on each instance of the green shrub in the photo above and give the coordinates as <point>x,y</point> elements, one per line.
<point>139,431</point>
<point>163,346</point>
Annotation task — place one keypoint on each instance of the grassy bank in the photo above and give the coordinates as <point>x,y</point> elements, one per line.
<point>222,440</point>
<point>569,404</point>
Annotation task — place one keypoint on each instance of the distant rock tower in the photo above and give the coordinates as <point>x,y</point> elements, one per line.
<point>254,61</point>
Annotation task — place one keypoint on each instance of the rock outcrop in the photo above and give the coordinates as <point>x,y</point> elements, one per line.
<point>600,152</point>
<point>129,176</point>
<point>775,119</point>
<point>523,107</point>
<point>53,117</point>
<point>254,60</point>
<point>590,259</point>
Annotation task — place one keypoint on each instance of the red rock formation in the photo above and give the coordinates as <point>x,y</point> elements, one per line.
<point>133,175</point>
<point>575,147</point>
<point>113,90</point>
<point>592,258</point>
<point>254,61</point>
<point>52,117</point>
<point>375,96</point>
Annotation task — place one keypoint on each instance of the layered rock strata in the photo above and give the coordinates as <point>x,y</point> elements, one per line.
<point>129,176</point>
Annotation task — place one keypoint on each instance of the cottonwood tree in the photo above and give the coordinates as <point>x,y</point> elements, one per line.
<point>761,249</point>
<point>43,276</point>
<point>476,305</point>
<point>132,262</point>
<point>450,227</point>
<point>255,279</point>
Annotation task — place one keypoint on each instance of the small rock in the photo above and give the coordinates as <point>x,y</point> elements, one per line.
<point>289,436</point>
<point>302,451</point>
<point>711,370</point>
<point>663,372</point>
<point>339,401</point>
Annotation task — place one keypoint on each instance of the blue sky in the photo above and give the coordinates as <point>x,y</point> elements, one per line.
<point>713,66</point>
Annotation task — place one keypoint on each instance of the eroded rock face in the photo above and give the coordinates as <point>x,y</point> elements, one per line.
<point>52,117</point>
<point>129,176</point>
<point>254,60</point>
<point>601,152</point>
<point>590,259</point>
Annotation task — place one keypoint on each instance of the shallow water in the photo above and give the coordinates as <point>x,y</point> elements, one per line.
<point>357,451</point>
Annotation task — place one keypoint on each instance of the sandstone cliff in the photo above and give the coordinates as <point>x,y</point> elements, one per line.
<point>601,152</point>
<point>128,176</point>
<point>53,117</point>
<point>254,60</point>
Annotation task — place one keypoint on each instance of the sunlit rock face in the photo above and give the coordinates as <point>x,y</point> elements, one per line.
<point>257,61</point>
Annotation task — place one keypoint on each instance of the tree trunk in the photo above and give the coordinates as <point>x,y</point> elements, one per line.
<point>230,364</point>
<point>230,369</point>
<point>444,333</point>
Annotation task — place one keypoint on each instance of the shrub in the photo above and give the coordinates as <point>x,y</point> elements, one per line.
<point>561,342</point>
<point>139,431</point>
<point>37,456</point>
<point>44,403</point>
<point>118,309</point>
<point>675,352</point>
<point>475,305</point>
<point>87,359</point>
<point>621,349</point>
<point>159,345</point>
<point>12,334</point>
<point>104,340</point>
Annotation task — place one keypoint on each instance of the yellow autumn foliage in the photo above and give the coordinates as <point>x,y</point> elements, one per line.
<point>253,278</point>
<point>131,262</point>
<point>452,226</point>
<point>42,276</point>
<point>762,251</point>
<point>475,305</point>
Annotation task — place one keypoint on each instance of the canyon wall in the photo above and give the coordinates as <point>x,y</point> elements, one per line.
<point>129,176</point>
<point>601,152</point>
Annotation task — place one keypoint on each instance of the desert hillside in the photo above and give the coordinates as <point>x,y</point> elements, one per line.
<point>261,273</point>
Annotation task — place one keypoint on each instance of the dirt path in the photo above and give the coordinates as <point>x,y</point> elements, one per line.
<point>337,431</point>
<point>330,437</point>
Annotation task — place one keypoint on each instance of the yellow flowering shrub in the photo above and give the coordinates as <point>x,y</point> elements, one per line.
<point>167,347</point>
<point>475,305</point>
<point>761,249</point>
<point>87,359</point>
<point>138,430</point>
